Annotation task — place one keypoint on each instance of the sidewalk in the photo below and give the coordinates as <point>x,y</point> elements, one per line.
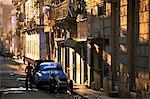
<point>87,93</point>
<point>22,66</point>
<point>19,61</point>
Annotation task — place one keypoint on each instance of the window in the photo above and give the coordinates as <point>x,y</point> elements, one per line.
<point>57,1</point>
<point>142,62</point>
<point>62,0</point>
<point>143,14</point>
<point>101,10</point>
<point>80,6</point>
<point>52,1</point>
<point>91,11</point>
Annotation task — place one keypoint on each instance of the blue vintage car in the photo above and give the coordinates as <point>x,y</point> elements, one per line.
<point>52,74</point>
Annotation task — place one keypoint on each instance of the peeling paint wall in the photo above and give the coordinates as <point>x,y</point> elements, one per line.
<point>143,56</point>
<point>143,35</point>
<point>32,46</point>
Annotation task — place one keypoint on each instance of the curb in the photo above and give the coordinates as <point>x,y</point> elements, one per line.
<point>82,96</point>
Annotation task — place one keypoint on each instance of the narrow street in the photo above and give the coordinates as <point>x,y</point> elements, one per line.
<point>12,84</point>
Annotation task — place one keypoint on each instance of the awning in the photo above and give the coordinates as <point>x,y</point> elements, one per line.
<point>73,43</point>
<point>65,22</point>
<point>99,41</point>
<point>30,31</point>
<point>78,46</point>
<point>68,43</point>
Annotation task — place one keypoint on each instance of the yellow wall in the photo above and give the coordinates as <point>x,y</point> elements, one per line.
<point>144,21</point>
<point>92,4</point>
<point>78,68</point>
<point>71,63</point>
<point>32,46</point>
<point>61,10</point>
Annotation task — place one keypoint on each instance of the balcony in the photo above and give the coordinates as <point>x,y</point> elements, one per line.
<point>64,17</point>
<point>15,1</point>
<point>61,10</point>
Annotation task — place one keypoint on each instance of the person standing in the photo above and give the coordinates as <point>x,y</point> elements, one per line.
<point>24,60</point>
<point>29,76</point>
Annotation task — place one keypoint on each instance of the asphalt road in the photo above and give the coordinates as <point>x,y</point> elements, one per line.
<point>12,84</point>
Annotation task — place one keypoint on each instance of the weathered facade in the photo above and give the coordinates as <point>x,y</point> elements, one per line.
<point>98,18</point>
<point>5,23</point>
<point>130,44</point>
<point>76,30</point>
<point>100,43</point>
<point>142,44</point>
<point>30,29</point>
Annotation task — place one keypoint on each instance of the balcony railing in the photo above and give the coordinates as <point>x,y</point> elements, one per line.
<point>61,10</point>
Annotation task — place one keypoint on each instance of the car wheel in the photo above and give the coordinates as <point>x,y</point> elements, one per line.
<point>52,86</point>
<point>37,82</point>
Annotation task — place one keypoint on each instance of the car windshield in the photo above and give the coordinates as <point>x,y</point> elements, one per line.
<point>47,69</point>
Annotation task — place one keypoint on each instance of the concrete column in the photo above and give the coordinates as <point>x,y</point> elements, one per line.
<point>0,70</point>
<point>59,52</point>
<point>78,77</point>
<point>75,66</point>
<point>42,34</point>
<point>66,59</point>
<point>82,68</point>
<point>71,64</point>
<point>47,46</point>
<point>113,43</point>
<point>131,43</point>
<point>149,40</point>
<point>68,62</point>
<point>56,51</point>
<point>89,63</point>
<point>63,58</point>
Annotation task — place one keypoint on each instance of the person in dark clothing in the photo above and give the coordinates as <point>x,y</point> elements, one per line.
<point>29,76</point>
<point>24,60</point>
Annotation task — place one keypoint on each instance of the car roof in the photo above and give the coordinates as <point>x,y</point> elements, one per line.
<point>50,65</point>
<point>41,61</point>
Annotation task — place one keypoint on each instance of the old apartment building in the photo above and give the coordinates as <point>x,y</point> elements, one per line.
<point>5,23</point>
<point>100,43</point>
<point>130,43</point>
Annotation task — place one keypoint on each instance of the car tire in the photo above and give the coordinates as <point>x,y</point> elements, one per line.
<point>37,82</point>
<point>52,86</point>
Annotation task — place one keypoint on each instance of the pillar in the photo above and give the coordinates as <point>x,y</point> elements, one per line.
<point>89,63</point>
